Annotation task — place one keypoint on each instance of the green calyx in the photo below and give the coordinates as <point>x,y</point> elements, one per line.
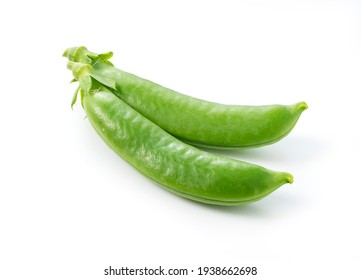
<point>83,55</point>
<point>81,62</point>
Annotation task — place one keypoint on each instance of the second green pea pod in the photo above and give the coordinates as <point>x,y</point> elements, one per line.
<point>193,120</point>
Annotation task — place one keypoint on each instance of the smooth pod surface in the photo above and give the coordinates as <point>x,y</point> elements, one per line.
<point>179,167</point>
<point>193,120</point>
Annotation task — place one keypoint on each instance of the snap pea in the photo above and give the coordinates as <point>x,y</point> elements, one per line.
<point>175,165</point>
<point>193,120</point>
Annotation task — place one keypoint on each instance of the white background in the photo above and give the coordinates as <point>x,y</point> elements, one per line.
<point>70,207</point>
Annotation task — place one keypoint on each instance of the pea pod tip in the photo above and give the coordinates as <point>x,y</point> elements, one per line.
<point>302,106</point>
<point>289,178</point>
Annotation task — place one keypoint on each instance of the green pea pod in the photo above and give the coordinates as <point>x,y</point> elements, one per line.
<point>193,120</point>
<point>179,167</point>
